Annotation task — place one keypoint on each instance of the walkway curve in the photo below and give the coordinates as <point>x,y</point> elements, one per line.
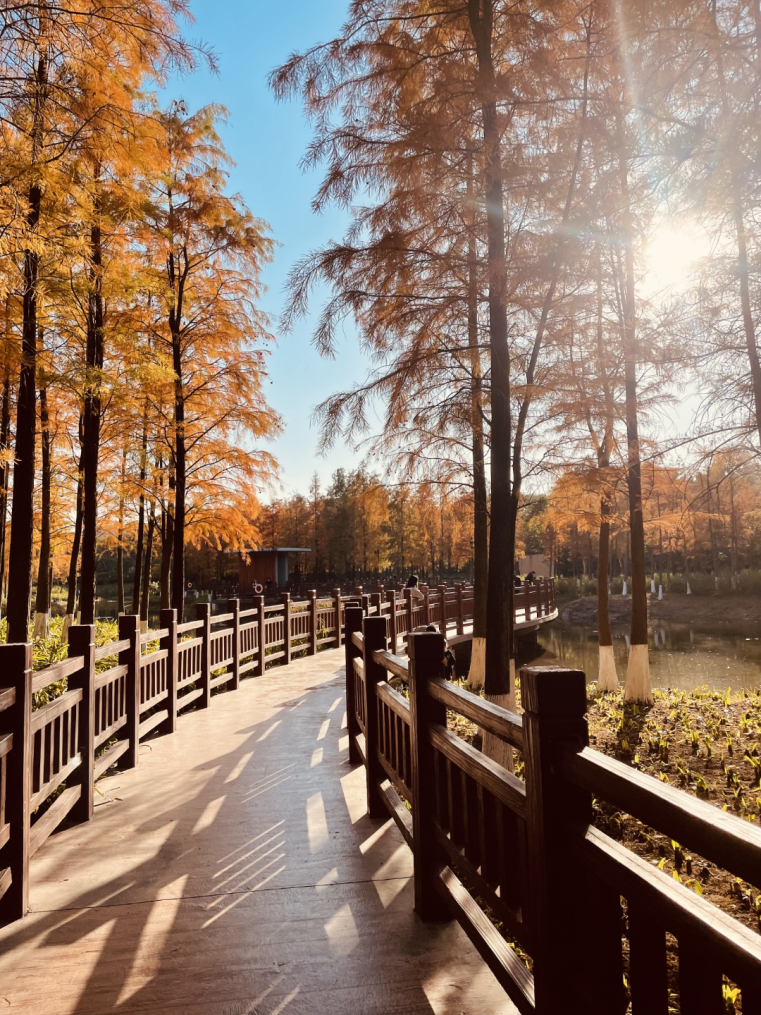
<point>235,872</point>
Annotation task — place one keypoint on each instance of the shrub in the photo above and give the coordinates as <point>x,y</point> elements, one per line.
<point>750,582</point>
<point>702,584</point>
<point>677,583</point>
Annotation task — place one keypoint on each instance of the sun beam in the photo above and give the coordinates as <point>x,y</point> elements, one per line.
<point>672,256</point>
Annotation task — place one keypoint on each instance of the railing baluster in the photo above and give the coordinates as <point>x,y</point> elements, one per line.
<point>312,610</point>
<point>82,643</point>
<point>648,967</point>
<point>16,667</point>
<point>353,623</point>
<point>555,703</point>
<point>261,630</point>
<point>129,629</point>
<point>374,630</point>
<point>426,655</point>
<point>285,599</point>
<point>168,620</point>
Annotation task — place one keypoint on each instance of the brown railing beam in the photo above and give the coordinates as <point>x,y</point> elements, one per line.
<point>82,643</point>
<point>353,623</point>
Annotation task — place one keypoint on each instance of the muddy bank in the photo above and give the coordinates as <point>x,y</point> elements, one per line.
<point>680,608</point>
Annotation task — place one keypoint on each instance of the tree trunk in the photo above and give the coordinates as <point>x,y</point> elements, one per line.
<point>499,681</point>
<point>71,599</point>
<point>120,541</point>
<point>42,605</point>
<point>5,442</point>
<point>476,675</point>
<point>607,679</point>
<point>91,439</point>
<point>638,673</point>
<point>146,591</point>
<point>137,577</point>
<point>178,564</point>
<point>167,547</point>
<point>22,511</point>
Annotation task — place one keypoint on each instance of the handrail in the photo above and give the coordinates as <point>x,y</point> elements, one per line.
<point>490,717</point>
<point>189,625</point>
<point>54,674</point>
<point>105,708</point>
<point>397,665</point>
<point>484,840</point>
<point>717,835</point>
<point>111,649</point>
<point>147,636</point>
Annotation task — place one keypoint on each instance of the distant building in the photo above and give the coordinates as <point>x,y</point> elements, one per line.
<point>266,565</point>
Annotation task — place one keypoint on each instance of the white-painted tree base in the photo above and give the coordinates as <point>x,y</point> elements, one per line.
<point>623,593</point>
<point>493,747</point>
<point>477,672</point>
<point>607,679</point>
<point>637,687</point>
<point>660,592</point>
<point>41,625</point>
<point>652,586</point>
<point>689,590</point>
<point>143,626</point>
<point>68,620</point>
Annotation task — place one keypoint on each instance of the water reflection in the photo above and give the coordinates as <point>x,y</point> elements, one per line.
<point>682,656</point>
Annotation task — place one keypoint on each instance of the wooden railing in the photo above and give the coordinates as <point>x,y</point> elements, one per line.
<point>489,847</point>
<point>118,694</point>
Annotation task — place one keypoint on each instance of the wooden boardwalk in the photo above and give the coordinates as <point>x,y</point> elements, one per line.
<point>235,871</point>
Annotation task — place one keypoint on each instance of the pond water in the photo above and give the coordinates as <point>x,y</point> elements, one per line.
<point>682,656</point>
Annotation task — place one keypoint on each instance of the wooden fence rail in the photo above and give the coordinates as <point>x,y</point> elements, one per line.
<point>584,908</point>
<point>118,694</point>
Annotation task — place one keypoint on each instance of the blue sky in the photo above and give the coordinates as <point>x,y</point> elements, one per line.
<point>267,140</point>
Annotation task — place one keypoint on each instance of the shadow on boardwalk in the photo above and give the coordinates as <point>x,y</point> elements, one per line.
<point>235,871</point>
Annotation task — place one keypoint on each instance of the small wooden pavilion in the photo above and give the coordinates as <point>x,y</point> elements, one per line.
<point>266,565</point>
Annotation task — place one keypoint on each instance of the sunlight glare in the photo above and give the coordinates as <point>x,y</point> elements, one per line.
<point>672,256</point>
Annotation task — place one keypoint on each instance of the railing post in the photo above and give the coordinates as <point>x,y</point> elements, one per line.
<point>408,609</point>
<point>426,604</point>
<point>82,643</point>
<point>353,623</point>
<point>442,590</point>
<point>374,630</point>
<point>460,614</point>
<point>555,702</point>
<point>285,599</point>
<point>426,656</point>
<point>168,619</point>
<point>262,634</point>
<point>312,609</point>
<point>16,667</point>
<point>129,628</point>
<point>203,612</point>
<point>375,603</point>
<point>337,608</point>
<point>391,598</point>
<point>233,606</point>
<point>365,599</point>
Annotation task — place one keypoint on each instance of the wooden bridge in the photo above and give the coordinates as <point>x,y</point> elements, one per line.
<point>303,845</point>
